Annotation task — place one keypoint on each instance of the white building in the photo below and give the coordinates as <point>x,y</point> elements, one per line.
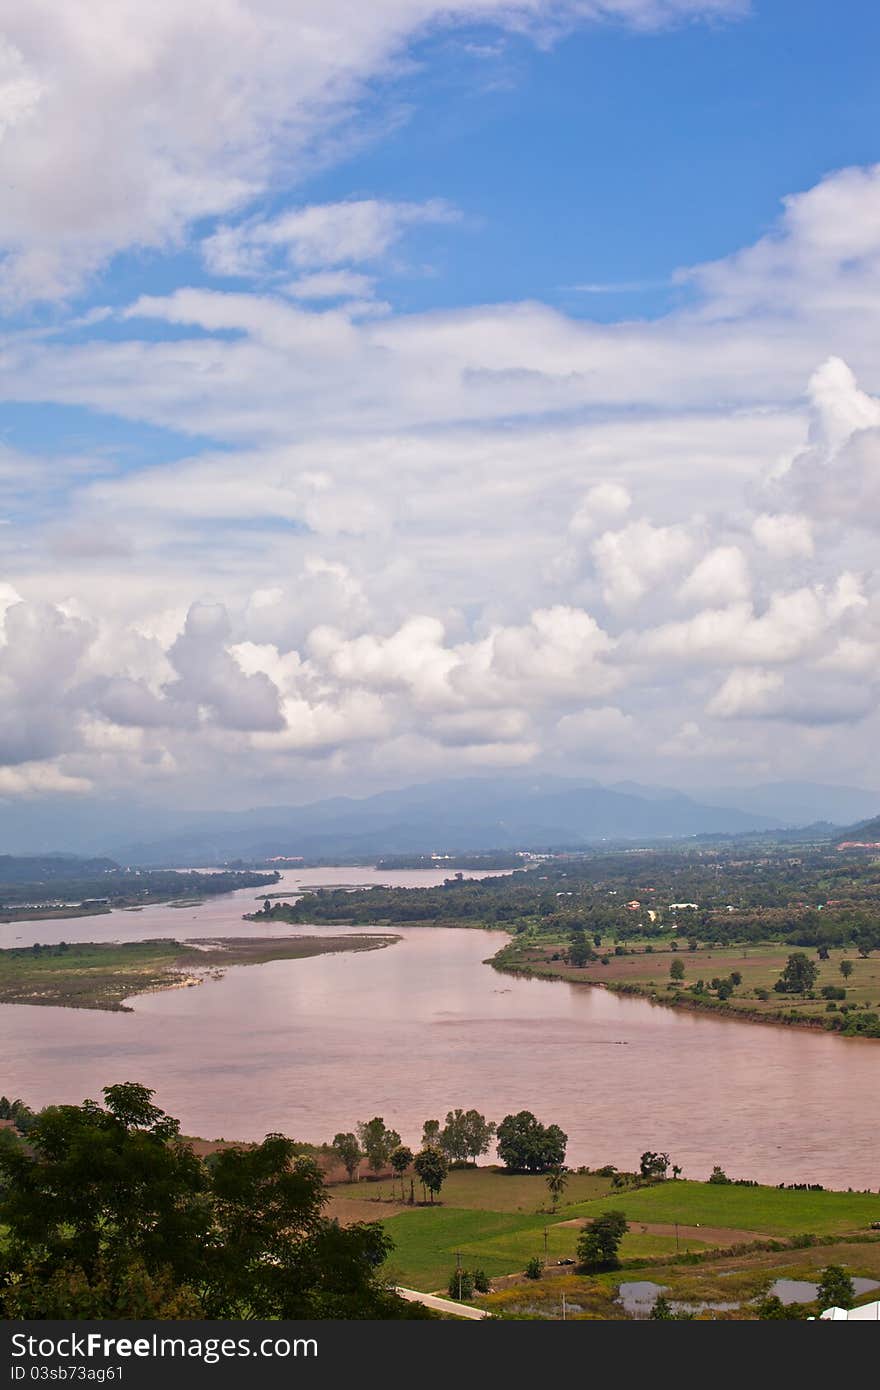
<point>868,1312</point>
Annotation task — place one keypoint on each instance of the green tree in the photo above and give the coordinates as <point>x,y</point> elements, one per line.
<point>600,1240</point>
<point>836,1288</point>
<point>431,1167</point>
<point>401,1158</point>
<point>465,1135</point>
<point>653,1165</point>
<point>676,970</point>
<point>452,1138</point>
<point>478,1134</point>
<point>798,976</point>
<point>534,1269</point>
<point>525,1145</point>
<point>580,952</point>
<point>430,1134</point>
<point>349,1152</point>
<point>108,1213</point>
<point>557,1181</point>
<point>718,1175</point>
<point>770,1307</point>
<point>846,968</point>
<point>460,1285</point>
<point>377,1142</point>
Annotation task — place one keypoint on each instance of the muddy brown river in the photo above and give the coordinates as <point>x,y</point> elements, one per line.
<point>312,1046</point>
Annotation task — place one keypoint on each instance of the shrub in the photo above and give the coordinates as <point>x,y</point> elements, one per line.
<point>833,992</point>
<point>461,1284</point>
<point>761,993</point>
<point>481,1281</point>
<point>534,1268</point>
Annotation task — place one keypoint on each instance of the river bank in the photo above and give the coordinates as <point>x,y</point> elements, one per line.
<point>103,975</point>
<point>707,973</point>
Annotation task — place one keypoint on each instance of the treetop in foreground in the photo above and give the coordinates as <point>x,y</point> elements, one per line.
<point>108,1213</point>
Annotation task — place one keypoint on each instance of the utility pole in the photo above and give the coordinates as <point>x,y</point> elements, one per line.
<point>545,1245</point>
<point>563,1307</point>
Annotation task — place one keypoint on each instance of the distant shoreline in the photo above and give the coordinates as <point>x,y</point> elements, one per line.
<point>97,975</point>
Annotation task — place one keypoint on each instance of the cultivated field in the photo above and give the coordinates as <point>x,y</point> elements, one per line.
<point>498,1222</point>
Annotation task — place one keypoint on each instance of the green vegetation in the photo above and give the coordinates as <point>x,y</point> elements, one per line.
<point>431,1169</point>
<point>108,1213</point>
<point>736,981</point>
<point>525,1145</point>
<point>92,975</point>
<point>674,1232</point>
<point>600,1240</point>
<point>604,918</point>
<point>377,1142</point>
<point>51,886</point>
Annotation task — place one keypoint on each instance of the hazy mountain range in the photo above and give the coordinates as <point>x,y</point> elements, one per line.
<point>522,812</point>
<point>477,814</point>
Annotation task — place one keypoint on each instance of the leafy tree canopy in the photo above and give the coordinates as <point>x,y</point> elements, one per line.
<point>108,1213</point>
<point>525,1145</point>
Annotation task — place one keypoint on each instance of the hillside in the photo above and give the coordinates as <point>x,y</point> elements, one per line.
<point>472,814</point>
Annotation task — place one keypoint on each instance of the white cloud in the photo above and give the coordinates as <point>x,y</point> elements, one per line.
<point>602,503</point>
<point>786,536</point>
<point>328,234</point>
<point>722,576</point>
<point>331,284</point>
<point>746,693</point>
<point>630,561</point>
<point>124,123</point>
<point>599,734</point>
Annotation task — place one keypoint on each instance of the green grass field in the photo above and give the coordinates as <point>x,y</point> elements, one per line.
<point>771,1210</point>
<point>498,1222</point>
<point>645,969</point>
<point>488,1188</point>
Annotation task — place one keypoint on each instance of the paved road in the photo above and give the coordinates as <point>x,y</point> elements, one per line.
<point>442,1305</point>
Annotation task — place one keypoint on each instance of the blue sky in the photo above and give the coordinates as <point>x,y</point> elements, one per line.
<point>413,394</point>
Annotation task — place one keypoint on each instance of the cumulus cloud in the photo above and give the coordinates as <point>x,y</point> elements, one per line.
<point>603,503</point>
<point>209,676</point>
<point>837,476</point>
<point>417,542</point>
<point>784,535</point>
<point>721,576</point>
<point>640,555</point>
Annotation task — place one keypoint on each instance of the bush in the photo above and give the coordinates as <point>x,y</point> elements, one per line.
<point>833,992</point>
<point>761,993</point>
<point>461,1284</point>
<point>481,1281</point>
<point>534,1268</point>
<point>598,1244</point>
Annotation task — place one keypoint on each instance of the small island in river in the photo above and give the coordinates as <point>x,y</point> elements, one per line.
<point>98,975</point>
